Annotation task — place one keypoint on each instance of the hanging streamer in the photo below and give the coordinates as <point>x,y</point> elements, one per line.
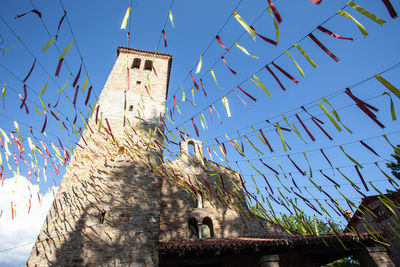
<point>165,39</point>
<point>77,76</point>
<point>388,85</point>
<point>326,50</point>
<point>260,84</point>
<point>264,38</point>
<point>275,77</point>
<point>275,25</point>
<point>366,13</point>
<point>171,18</point>
<point>11,47</point>
<point>194,82</point>
<point>295,62</point>
<point>322,29</point>
<point>305,55</point>
<point>245,51</point>
<point>198,69</point>
<point>60,22</point>
<point>350,157</point>
<point>244,24</point>
<point>215,79</point>
<point>390,8</point>
<point>44,87</point>
<point>392,111</point>
<point>221,43</point>
<point>233,72</point>
<point>65,85</point>
<point>365,107</point>
<point>31,11</point>
<point>247,94</point>
<point>359,25</point>
<point>285,73</point>
<point>226,104</point>
<point>126,18</point>
<point>275,11</point>
<point>329,116</point>
<point>3,92</point>
<point>30,71</point>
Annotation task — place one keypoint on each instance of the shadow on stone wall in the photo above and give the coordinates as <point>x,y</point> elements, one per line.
<point>114,219</point>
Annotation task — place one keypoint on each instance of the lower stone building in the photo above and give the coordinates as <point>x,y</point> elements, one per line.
<point>373,214</point>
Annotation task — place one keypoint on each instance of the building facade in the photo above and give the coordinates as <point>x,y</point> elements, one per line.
<point>112,210</point>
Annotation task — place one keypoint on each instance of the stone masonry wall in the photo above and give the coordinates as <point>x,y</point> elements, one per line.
<point>178,205</point>
<point>107,211</point>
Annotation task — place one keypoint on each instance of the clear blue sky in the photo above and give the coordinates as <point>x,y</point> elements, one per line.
<point>96,25</point>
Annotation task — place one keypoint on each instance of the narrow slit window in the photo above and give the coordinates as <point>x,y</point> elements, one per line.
<point>148,65</point>
<point>136,63</point>
<point>102,215</point>
<point>138,82</point>
<point>131,108</point>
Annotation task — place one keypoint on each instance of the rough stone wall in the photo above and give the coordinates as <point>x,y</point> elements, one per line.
<point>178,204</point>
<point>386,224</point>
<point>107,211</point>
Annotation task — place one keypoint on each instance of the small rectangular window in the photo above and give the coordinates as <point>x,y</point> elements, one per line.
<point>131,108</point>
<point>138,82</point>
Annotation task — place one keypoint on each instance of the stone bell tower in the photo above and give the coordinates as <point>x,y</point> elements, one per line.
<point>107,210</point>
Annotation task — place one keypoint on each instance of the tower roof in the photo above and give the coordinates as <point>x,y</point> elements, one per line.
<point>128,50</point>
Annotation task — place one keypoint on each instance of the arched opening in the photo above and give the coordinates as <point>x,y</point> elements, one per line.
<point>191,150</point>
<point>207,230</point>
<point>198,201</point>
<point>136,63</point>
<point>148,65</point>
<point>193,228</point>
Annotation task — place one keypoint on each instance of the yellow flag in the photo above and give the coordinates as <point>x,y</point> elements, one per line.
<point>295,62</point>
<point>85,83</point>
<point>65,85</point>
<point>244,24</point>
<point>200,64</point>
<point>126,17</point>
<point>3,92</point>
<point>366,13</point>
<point>44,48</point>
<point>215,79</point>
<point>5,50</point>
<point>260,84</point>
<point>244,50</point>
<point>66,50</point>
<point>171,18</point>
<point>226,104</point>
<point>45,86</point>
<point>305,55</point>
<point>359,25</point>
<point>275,25</point>
<point>183,94</point>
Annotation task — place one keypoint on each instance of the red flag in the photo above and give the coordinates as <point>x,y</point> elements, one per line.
<point>33,11</point>
<point>202,87</point>
<point>88,96</point>
<point>30,71</point>
<point>247,94</point>
<point>390,8</point>
<point>76,95</point>
<point>45,122</point>
<point>59,67</point>
<point>77,76</point>
<point>194,82</point>
<point>223,59</point>
<point>195,128</point>
<point>326,50</point>
<point>285,73</point>
<point>361,177</point>
<point>276,78</point>
<point>60,22</point>
<point>365,107</point>
<point>305,128</point>
<point>165,39</point>
<point>173,104</point>
<point>316,1</point>
<point>222,44</point>
<point>322,29</point>
<point>369,148</point>
<point>275,11</point>
<point>266,141</point>
<point>264,38</point>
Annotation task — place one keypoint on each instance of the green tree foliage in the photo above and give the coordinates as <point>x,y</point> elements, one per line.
<point>395,165</point>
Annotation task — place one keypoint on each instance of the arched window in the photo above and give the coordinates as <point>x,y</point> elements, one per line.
<point>207,230</point>
<point>136,63</point>
<point>191,150</point>
<point>199,201</point>
<point>148,65</point>
<point>193,228</point>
